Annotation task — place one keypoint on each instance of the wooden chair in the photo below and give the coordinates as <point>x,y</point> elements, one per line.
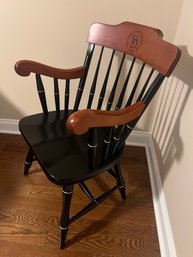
<point>124,67</point>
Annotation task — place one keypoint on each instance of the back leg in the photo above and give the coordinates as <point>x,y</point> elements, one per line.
<point>120,180</point>
<point>28,161</point>
<point>64,220</point>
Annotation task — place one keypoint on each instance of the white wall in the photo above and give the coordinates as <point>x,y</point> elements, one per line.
<point>172,131</point>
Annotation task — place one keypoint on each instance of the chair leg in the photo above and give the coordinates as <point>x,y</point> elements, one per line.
<point>120,181</point>
<point>64,220</point>
<point>28,161</point>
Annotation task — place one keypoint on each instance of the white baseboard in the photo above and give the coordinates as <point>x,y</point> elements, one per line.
<point>166,241</point>
<point>9,126</point>
<point>143,139</point>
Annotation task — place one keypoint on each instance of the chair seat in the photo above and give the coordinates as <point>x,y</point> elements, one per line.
<point>64,157</point>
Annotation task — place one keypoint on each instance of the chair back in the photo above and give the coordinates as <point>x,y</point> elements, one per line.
<point>124,64</point>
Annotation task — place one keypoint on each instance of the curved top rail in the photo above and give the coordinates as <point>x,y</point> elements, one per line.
<point>142,42</point>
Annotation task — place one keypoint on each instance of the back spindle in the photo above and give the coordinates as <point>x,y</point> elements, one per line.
<point>41,93</point>
<point>121,97</point>
<point>56,96</point>
<point>87,62</point>
<point>153,89</point>
<point>92,146</point>
<point>127,129</point>
<point>145,85</point>
<point>135,86</point>
<point>107,142</point>
<point>93,87</point>
<point>104,87</point>
<point>112,94</point>
<point>67,97</point>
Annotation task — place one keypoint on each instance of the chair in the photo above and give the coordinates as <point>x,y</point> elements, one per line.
<point>97,106</point>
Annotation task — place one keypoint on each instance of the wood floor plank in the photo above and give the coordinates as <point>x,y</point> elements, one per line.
<point>30,211</point>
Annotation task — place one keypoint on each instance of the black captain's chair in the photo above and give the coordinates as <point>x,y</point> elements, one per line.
<point>127,62</point>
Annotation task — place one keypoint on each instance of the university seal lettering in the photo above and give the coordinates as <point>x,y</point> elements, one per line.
<point>134,40</point>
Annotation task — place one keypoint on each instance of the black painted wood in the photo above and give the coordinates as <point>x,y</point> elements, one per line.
<point>64,220</point>
<point>104,87</point>
<point>28,161</point>
<point>81,86</point>
<point>56,95</point>
<point>41,93</point>
<point>67,97</point>
<point>69,159</point>
<point>113,91</point>
<point>129,102</point>
<point>120,100</point>
<point>94,83</point>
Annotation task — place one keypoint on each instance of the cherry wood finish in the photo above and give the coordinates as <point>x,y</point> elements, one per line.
<point>80,121</point>
<point>30,207</point>
<point>123,69</point>
<point>140,41</point>
<point>26,67</point>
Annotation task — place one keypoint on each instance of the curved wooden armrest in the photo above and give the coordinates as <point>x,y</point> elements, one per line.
<point>79,122</point>
<point>25,67</point>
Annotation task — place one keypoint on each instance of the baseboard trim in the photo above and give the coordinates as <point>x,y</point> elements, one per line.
<point>143,139</point>
<point>166,241</point>
<point>9,126</point>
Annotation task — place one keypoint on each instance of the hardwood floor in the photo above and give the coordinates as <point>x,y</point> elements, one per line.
<point>30,211</point>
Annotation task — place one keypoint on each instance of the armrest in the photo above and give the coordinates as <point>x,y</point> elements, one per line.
<point>25,67</point>
<point>79,122</point>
